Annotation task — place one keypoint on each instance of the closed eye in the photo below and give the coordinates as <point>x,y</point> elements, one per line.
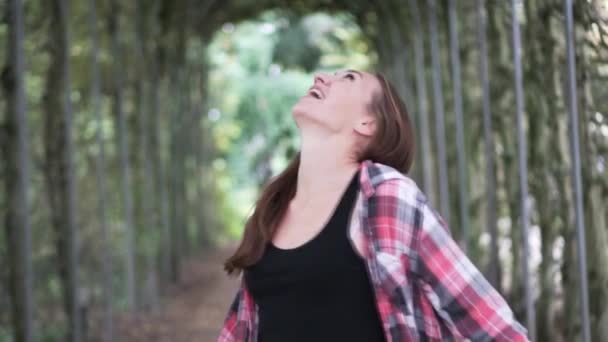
<point>352,77</point>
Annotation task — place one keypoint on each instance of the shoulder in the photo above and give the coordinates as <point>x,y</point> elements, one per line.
<point>407,196</point>
<point>396,209</point>
<point>387,181</point>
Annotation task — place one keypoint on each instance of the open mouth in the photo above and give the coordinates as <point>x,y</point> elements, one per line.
<point>316,93</point>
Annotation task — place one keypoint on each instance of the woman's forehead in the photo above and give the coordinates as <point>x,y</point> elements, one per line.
<point>370,81</point>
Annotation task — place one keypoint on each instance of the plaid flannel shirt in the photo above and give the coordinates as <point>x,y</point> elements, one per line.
<point>426,289</point>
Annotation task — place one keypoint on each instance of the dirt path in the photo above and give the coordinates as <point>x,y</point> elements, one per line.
<point>193,311</point>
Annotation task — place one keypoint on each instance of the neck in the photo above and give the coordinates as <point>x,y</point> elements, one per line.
<point>325,167</point>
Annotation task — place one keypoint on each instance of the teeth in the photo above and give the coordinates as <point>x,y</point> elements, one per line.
<point>316,93</point>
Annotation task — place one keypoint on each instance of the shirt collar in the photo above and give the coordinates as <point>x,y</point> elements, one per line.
<point>372,174</point>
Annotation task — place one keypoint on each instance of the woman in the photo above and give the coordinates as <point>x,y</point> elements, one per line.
<point>343,246</point>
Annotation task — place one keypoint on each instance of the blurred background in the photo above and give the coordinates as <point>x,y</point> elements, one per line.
<point>135,136</point>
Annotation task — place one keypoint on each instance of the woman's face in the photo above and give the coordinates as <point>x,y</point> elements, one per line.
<point>337,103</point>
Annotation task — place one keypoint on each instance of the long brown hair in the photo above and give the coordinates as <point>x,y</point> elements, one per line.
<point>392,144</point>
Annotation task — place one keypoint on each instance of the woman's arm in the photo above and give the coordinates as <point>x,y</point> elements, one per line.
<point>456,288</point>
<point>461,298</point>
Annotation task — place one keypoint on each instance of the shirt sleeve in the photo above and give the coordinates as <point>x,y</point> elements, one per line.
<point>458,291</point>
<point>228,330</point>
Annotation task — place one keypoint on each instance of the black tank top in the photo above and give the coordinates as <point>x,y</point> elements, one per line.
<point>318,291</point>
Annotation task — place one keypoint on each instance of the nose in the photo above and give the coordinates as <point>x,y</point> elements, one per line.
<point>321,77</point>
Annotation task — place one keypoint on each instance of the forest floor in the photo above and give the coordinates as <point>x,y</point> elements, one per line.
<point>193,310</point>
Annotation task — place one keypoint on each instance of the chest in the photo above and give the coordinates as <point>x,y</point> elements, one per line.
<point>392,291</point>
<point>325,263</point>
<point>318,273</point>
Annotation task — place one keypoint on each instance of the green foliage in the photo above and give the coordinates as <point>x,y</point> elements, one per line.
<point>295,48</point>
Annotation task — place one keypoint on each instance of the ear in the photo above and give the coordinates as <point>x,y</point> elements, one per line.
<point>366,126</point>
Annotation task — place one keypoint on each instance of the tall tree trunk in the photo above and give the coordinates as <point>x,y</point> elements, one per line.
<point>595,209</point>
<point>199,145</point>
<point>184,143</point>
<point>500,66</point>
<point>428,184</point>
<point>17,179</point>
<point>489,194</point>
<point>160,177</point>
<point>170,55</point>
<point>59,170</point>
<point>509,183</point>
<point>174,171</point>
<point>123,148</point>
<point>185,150</point>
<point>107,329</point>
<point>543,127</point>
<point>179,109</point>
<point>163,86</point>
<point>145,175</point>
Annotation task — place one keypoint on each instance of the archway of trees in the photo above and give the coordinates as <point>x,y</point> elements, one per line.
<point>114,157</point>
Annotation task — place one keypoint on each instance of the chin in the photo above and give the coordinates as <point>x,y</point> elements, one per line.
<point>306,110</point>
<point>301,110</point>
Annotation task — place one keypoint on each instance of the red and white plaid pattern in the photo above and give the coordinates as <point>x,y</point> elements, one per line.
<point>426,289</point>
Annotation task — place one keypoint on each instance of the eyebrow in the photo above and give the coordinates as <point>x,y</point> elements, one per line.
<point>353,71</point>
